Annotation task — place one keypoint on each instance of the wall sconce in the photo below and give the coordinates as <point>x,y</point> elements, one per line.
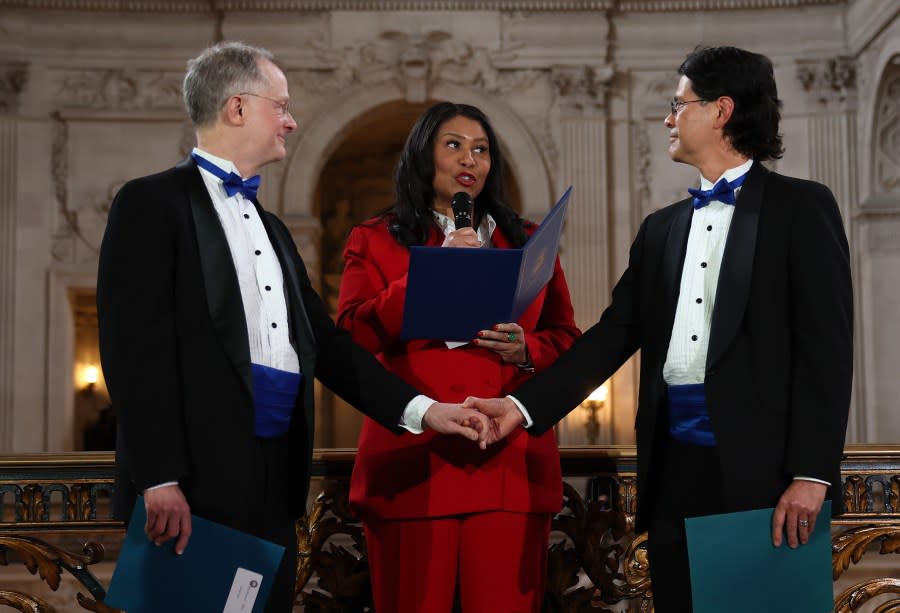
<point>592,404</point>
<point>90,375</point>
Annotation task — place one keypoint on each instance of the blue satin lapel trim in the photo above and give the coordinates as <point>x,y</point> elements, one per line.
<point>223,293</point>
<point>736,274</point>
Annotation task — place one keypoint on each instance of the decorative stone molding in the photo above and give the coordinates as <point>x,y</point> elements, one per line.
<point>13,77</point>
<point>204,6</point>
<point>887,131</point>
<point>829,82</point>
<point>80,225</point>
<point>642,165</point>
<point>119,90</point>
<point>415,62</point>
<point>582,89</point>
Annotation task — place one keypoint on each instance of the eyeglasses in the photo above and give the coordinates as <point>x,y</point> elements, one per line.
<point>676,105</point>
<point>282,104</point>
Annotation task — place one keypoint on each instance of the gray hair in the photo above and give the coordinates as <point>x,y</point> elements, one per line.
<point>216,74</point>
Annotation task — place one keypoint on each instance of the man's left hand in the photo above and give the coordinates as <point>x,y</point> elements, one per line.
<point>796,512</point>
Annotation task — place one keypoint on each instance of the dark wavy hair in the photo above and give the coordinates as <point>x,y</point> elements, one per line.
<point>749,80</point>
<point>410,219</point>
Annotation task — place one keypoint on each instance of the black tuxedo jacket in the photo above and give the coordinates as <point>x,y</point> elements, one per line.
<point>779,367</point>
<point>176,357</point>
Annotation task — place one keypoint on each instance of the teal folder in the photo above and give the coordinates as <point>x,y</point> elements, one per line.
<point>735,567</point>
<point>451,294</point>
<point>221,569</point>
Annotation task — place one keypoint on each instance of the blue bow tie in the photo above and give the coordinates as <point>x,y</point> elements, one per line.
<point>723,191</point>
<point>231,181</point>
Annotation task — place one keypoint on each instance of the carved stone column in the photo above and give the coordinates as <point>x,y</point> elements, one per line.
<point>831,86</point>
<point>12,80</point>
<point>876,250</point>
<point>582,101</point>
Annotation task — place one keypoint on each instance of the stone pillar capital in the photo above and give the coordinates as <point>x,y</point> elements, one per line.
<point>13,76</point>
<point>582,89</point>
<point>829,82</point>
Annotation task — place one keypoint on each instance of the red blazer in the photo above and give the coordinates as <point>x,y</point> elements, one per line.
<point>399,476</point>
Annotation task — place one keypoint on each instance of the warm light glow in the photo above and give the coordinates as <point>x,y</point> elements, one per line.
<point>91,374</point>
<point>599,394</point>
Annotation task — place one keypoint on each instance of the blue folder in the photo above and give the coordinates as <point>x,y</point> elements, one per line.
<point>735,567</point>
<point>451,294</point>
<point>221,569</point>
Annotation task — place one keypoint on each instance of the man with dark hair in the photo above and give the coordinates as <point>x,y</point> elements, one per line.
<point>211,334</point>
<point>740,301</point>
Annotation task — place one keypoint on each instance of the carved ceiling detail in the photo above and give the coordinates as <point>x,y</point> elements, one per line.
<point>119,90</point>
<point>415,62</point>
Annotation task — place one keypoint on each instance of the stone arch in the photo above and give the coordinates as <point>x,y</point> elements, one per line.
<point>884,173</point>
<point>885,65</point>
<point>323,136</point>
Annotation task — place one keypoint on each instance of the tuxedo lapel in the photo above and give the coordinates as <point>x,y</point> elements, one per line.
<point>672,264</point>
<point>223,294</point>
<point>737,265</point>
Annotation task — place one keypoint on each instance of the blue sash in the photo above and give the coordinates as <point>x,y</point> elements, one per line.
<point>688,417</point>
<point>275,394</point>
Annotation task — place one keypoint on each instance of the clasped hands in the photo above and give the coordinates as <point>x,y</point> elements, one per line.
<point>483,420</point>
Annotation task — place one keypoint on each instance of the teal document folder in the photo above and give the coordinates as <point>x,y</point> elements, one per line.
<point>221,569</point>
<point>451,294</point>
<point>735,567</point>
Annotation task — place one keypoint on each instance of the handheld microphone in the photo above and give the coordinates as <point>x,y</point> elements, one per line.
<point>462,209</point>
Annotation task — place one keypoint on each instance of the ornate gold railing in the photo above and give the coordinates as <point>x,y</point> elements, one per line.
<point>595,558</point>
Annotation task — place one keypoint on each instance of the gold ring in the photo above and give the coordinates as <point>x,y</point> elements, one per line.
<point>511,337</point>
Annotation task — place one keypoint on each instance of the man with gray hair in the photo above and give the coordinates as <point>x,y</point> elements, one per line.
<point>211,334</point>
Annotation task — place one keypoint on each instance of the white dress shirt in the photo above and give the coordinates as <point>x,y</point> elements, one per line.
<point>688,345</point>
<point>258,271</point>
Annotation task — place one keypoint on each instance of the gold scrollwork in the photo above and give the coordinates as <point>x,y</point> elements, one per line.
<point>24,602</point>
<point>851,545</point>
<point>49,561</point>
<point>600,544</point>
<point>856,494</point>
<point>855,596</point>
<point>325,538</point>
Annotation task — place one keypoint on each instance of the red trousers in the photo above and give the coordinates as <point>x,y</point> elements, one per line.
<point>499,560</point>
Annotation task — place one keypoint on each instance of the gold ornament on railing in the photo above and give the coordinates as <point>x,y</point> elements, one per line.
<point>851,599</point>
<point>24,602</point>
<point>852,545</point>
<point>48,561</point>
<point>341,575</point>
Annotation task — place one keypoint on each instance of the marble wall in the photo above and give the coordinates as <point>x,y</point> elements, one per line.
<point>577,90</point>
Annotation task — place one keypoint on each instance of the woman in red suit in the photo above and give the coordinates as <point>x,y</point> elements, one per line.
<point>439,511</point>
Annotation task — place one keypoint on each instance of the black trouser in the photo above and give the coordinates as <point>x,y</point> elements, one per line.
<point>689,484</point>
<point>270,519</point>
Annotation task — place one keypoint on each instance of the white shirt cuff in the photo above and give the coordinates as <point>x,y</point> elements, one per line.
<point>799,478</point>
<point>414,412</point>
<point>528,421</point>
<point>166,484</point>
